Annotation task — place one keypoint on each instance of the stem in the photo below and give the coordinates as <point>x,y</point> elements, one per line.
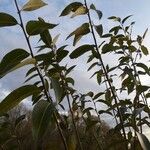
<point>104,69</point>
<point>64,85</point>
<point>49,99</point>
<point>74,124</point>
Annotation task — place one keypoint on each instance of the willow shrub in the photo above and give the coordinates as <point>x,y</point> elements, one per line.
<point>130,113</point>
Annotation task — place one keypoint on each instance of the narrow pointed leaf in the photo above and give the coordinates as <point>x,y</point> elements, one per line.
<point>144,50</point>
<point>57,89</point>
<point>37,27</point>
<point>123,21</point>
<point>16,96</point>
<point>7,20</point>
<point>81,50</point>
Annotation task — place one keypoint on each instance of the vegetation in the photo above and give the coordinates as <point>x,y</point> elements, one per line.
<point>83,128</point>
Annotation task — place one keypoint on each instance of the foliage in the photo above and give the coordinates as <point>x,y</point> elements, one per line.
<point>53,83</point>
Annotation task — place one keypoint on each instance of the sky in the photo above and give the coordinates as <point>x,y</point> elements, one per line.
<point>11,38</point>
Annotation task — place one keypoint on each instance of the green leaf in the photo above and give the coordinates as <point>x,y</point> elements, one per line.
<point>79,32</point>
<point>41,117</point>
<point>142,88</point>
<point>114,18</point>
<point>143,66</point>
<point>99,77</point>
<point>57,89</point>
<point>143,141</point>
<point>81,50</point>
<point>71,8</point>
<point>61,53</point>
<point>34,27</point>
<point>33,5</point>
<point>16,96</point>
<point>115,29</point>
<point>46,38</point>
<point>29,61</point>
<point>99,29</point>
<point>145,33</point>
<point>80,11</point>
<point>109,48</point>
<point>7,20</point>
<point>11,59</point>
<point>124,20</point>
<point>144,50</point>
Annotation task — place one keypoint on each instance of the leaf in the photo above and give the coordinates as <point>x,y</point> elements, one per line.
<point>79,32</point>
<point>46,38</point>
<point>144,50</point>
<point>81,50</point>
<point>143,66</point>
<point>114,18</point>
<point>145,33</point>
<point>28,61</point>
<point>34,27</point>
<point>61,53</point>
<point>99,77</point>
<point>142,88</point>
<point>11,59</point>
<point>57,89</point>
<point>109,48</point>
<point>115,29</point>
<point>33,5</point>
<point>99,29</point>
<point>7,20</point>
<point>80,11</point>
<point>16,96</point>
<point>99,13</point>
<point>123,21</point>
<point>143,141</point>
<point>55,39</point>
<point>71,8</point>
<point>41,117</point>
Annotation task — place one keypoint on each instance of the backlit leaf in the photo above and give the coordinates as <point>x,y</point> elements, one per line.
<point>71,8</point>
<point>33,5</point>
<point>41,117</point>
<point>79,32</point>
<point>80,11</point>
<point>16,96</point>
<point>11,59</point>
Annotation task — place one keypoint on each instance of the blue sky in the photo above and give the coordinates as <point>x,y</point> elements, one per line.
<point>11,38</point>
